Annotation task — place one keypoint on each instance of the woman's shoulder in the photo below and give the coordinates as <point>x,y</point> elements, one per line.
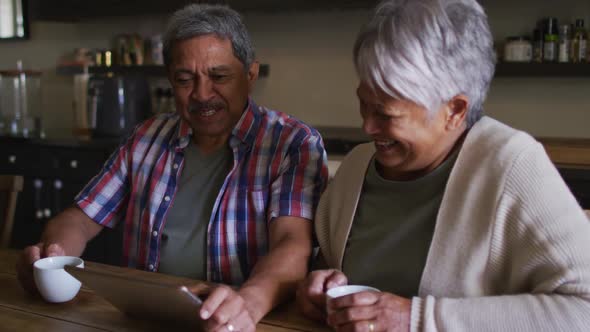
<point>493,141</point>
<point>491,132</point>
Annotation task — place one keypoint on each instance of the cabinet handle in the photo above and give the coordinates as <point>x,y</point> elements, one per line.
<point>47,213</point>
<point>12,159</point>
<point>74,164</point>
<point>38,185</point>
<point>57,185</point>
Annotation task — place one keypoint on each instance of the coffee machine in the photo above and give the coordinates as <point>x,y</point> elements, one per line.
<point>116,104</point>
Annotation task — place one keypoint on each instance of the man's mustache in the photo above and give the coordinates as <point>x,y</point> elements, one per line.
<point>208,105</point>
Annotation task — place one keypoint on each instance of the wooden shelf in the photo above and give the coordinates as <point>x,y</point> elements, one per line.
<point>144,70</point>
<point>539,70</point>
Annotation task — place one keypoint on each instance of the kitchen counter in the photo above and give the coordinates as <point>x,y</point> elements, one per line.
<point>568,152</point>
<point>564,152</point>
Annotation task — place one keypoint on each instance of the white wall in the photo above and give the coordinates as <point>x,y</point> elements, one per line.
<point>311,73</point>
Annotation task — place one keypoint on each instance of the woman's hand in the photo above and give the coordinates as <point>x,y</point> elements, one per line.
<point>370,312</point>
<point>311,292</point>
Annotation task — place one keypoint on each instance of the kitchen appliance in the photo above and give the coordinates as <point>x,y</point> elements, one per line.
<point>116,104</point>
<point>20,102</point>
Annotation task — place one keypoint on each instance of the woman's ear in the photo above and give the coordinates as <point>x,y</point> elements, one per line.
<point>457,109</point>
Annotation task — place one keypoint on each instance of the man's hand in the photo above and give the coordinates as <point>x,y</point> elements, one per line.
<point>24,265</point>
<point>370,312</point>
<point>65,235</point>
<point>311,293</point>
<point>226,310</point>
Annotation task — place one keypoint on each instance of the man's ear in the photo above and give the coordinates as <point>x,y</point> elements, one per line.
<point>456,110</point>
<point>253,74</point>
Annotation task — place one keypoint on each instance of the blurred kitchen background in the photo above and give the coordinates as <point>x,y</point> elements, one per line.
<point>306,49</point>
<point>309,53</point>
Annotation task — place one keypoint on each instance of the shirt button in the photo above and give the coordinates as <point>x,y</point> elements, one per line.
<point>155,233</point>
<point>151,267</point>
<point>175,166</point>
<point>167,198</point>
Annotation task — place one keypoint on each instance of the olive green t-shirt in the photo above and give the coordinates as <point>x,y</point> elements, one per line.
<point>392,230</point>
<point>184,246</point>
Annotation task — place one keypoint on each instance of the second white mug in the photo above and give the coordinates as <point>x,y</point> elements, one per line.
<point>339,291</point>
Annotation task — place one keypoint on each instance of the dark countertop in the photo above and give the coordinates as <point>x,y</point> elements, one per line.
<point>63,142</point>
<point>340,140</point>
<point>568,152</point>
<point>343,133</point>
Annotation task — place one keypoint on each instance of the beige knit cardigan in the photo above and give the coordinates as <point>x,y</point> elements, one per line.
<point>511,246</point>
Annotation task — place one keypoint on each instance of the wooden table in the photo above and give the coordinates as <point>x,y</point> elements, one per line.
<point>20,311</point>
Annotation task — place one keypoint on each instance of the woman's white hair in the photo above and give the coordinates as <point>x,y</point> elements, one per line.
<point>428,51</point>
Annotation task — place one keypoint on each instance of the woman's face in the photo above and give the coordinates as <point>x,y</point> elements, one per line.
<point>409,143</point>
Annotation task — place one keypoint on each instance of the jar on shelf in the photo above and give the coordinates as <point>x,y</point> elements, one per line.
<point>20,102</point>
<point>518,49</point>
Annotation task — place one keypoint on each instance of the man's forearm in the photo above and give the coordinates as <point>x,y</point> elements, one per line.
<point>71,229</point>
<point>275,276</point>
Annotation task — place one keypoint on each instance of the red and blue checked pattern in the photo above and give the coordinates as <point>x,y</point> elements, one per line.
<point>280,169</point>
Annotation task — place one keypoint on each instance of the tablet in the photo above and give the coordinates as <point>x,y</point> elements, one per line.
<point>142,298</point>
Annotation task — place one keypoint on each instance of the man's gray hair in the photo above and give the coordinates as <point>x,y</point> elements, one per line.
<point>428,51</point>
<point>202,19</point>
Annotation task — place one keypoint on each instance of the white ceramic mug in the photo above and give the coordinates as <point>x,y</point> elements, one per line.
<point>53,282</point>
<point>339,291</point>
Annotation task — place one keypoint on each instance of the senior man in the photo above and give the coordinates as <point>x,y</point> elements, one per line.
<point>223,191</point>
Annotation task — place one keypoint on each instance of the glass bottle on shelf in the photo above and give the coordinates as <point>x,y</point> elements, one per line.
<point>579,43</point>
<point>564,44</point>
<point>537,45</point>
<point>550,40</point>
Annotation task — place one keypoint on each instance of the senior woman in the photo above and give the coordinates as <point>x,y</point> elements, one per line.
<point>462,222</point>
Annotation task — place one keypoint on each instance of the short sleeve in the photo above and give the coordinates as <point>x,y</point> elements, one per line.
<point>303,177</point>
<point>103,198</point>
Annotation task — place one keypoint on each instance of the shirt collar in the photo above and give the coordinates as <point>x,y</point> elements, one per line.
<point>247,127</point>
<point>244,131</point>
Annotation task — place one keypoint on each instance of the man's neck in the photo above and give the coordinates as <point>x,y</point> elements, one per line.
<point>210,144</point>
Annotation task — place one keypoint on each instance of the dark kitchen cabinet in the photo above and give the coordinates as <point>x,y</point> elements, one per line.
<point>54,172</point>
<point>578,180</point>
<point>75,10</point>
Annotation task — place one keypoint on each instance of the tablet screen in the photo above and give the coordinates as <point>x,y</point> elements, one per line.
<point>142,298</point>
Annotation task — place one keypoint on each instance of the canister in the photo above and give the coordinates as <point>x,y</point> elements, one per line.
<point>20,102</point>
<point>518,49</point>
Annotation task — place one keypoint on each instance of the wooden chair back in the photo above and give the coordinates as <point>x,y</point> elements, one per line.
<point>10,186</point>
